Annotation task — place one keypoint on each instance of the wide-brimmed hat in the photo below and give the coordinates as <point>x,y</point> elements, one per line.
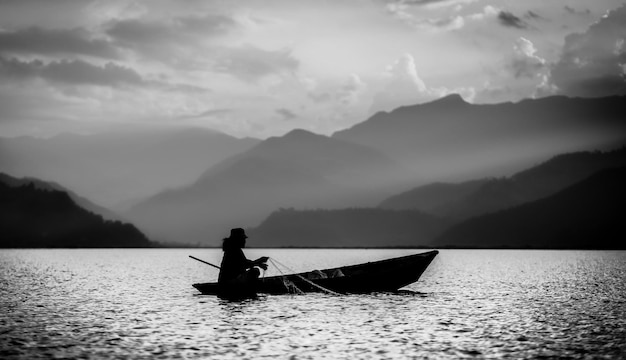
<point>237,233</point>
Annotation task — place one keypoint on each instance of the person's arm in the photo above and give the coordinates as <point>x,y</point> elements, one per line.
<point>260,262</point>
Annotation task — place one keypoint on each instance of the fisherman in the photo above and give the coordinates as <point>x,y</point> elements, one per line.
<point>237,273</point>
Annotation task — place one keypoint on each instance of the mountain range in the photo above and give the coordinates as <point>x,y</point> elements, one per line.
<point>33,214</point>
<point>586,215</point>
<point>384,155</point>
<point>477,197</point>
<point>299,169</point>
<point>438,163</point>
<point>351,228</point>
<point>48,185</point>
<point>429,216</point>
<point>450,139</point>
<point>115,169</point>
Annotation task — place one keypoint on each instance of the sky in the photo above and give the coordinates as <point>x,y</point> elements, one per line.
<point>261,68</point>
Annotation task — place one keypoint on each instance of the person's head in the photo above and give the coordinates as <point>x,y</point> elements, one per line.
<point>236,240</point>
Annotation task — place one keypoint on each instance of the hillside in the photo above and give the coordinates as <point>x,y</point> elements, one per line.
<point>478,197</point>
<point>45,185</point>
<point>300,169</point>
<point>430,198</point>
<point>31,217</point>
<point>361,166</point>
<point>115,169</point>
<point>347,228</point>
<point>586,215</point>
<point>452,140</point>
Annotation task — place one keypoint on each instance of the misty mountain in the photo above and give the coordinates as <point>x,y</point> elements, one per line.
<point>300,169</point>
<point>586,215</point>
<point>432,197</point>
<point>45,185</point>
<point>450,139</point>
<point>347,228</point>
<point>479,197</point>
<point>35,217</point>
<point>112,168</point>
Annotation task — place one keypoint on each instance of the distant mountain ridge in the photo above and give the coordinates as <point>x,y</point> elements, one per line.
<point>46,185</point>
<point>444,139</point>
<point>417,217</point>
<point>431,198</point>
<point>206,183</point>
<point>586,215</point>
<point>355,228</point>
<point>298,169</point>
<point>454,140</point>
<point>112,168</point>
<point>34,217</point>
<point>464,200</point>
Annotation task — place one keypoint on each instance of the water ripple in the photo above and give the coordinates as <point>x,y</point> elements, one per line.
<point>469,304</point>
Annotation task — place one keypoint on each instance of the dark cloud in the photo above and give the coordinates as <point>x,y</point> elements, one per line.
<point>175,41</point>
<point>424,2</point>
<point>286,114</point>
<point>250,63</point>
<point>533,15</point>
<point>138,32</point>
<point>41,2</point>
<point>75,72</point>
<point>134,31</point>
<point>593,63</point>
<point>571,10</point>
<point>35,40</point>
<point>511,20</point>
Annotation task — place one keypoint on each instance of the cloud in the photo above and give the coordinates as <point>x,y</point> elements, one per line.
<point>134,32</point>
<point>350,91</point>
<point>211,113</point>
<point>571,10</point>
<point>488,12</point>
<point>286,114</point>
<point>35,40</point>
<point>511,20</point>
<point>593,63</point>
<point>525,62</point>
<point>250,63</point>
<point>521,74</point>
<point>172,40</point>
<point>533,15</point>
<point>75,72</point>
<point>433,3</point>
<point>403,86</point>
<point>402,11</point>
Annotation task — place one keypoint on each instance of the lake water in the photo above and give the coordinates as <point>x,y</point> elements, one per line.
<point>468,304</point>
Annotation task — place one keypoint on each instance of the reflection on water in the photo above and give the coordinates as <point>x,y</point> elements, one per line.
<point>139,303</point>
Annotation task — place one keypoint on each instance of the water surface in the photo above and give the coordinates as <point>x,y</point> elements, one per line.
<point>468,304</point>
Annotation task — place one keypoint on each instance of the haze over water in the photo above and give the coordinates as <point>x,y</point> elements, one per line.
<point>469,303</point>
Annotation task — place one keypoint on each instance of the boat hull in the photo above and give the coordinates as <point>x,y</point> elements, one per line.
<point>383,275</point>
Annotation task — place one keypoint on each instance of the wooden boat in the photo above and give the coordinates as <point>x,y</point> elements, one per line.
<point>383,275</point>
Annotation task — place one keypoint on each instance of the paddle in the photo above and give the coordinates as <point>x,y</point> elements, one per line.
<point>202,261</point>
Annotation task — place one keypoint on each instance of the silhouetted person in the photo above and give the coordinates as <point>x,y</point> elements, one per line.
<point>237,273</point>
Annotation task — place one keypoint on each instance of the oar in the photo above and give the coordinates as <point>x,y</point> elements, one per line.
<point>202,261</point>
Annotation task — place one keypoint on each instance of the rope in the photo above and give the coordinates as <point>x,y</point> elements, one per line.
<point>301,277</point>
<point>288,284</point>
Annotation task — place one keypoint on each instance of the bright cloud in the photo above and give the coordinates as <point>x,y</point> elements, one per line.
<point>592,62</point>
<point>262,68</point>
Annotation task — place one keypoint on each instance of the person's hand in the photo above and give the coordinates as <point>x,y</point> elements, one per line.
<point>263,259</point>
<point>263,266</point>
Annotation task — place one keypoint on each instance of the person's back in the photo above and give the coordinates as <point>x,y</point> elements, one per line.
<point>234,273</point>
<point>234,263</point>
